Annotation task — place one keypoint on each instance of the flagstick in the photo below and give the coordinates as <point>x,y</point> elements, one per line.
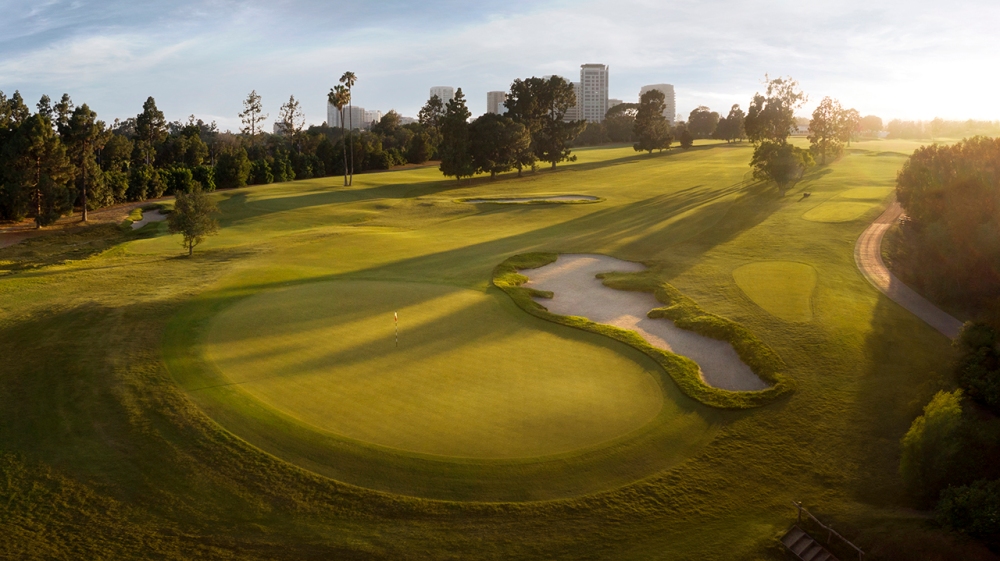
<point>395,317</point>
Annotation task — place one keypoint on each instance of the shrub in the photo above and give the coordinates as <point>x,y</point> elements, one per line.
<point>930,447</point>
<point>972,509</point>
<point>978,370</point>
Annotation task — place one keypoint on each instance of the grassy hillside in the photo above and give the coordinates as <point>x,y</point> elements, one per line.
<point>112,447</point>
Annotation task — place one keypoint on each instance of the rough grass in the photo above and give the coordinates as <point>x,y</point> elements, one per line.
<point>684,312</point>
<point>783,288</point>
<point>105,456</point>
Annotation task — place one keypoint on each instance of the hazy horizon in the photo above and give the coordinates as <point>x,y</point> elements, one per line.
<point>910,60</point>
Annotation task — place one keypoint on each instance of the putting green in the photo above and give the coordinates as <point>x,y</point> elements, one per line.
<point>467,379</point>
<point>783,288</point>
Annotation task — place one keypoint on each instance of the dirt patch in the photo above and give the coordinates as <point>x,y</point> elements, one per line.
<point>577,292</point>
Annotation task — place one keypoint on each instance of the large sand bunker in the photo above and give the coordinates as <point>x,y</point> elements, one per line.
<point>578,292</point>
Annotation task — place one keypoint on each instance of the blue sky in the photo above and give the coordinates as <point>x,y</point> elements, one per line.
<point>906,59</point>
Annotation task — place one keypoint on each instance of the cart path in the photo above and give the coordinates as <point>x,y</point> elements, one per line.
<point>868,256</point>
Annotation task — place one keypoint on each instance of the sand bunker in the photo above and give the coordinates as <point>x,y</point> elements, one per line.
<point>577,292</point>
<point>537,200</point>
<point>149,216</point>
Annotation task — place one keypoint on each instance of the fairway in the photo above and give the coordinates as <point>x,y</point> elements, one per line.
<point>782,288</point>
<point>251,398</point>
<point>466,380</point>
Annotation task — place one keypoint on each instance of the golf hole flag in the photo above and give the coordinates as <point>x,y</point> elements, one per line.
<point>395,320</point>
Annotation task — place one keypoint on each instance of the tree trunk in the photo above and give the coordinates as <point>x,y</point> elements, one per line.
<point>350,133</point>
<point>83,168</point>
<point>38,192</point>
<point>342,136</point>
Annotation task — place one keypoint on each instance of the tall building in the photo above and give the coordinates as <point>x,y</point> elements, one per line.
<point>668,93</point>
<point>446,93</point>
<point>494,102</point>
<point>371,117</point>
<point>353,117</point>
<point>593,100</point>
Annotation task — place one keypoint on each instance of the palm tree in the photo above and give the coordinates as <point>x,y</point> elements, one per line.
<point>339,97</point>
<point>349,79</point>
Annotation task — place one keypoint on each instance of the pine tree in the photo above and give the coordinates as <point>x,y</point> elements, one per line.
<point>455,149</point>
<point>39,174</point>
<point>651,130</point>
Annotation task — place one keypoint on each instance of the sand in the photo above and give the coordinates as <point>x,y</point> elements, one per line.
<point>577,292</point>
<point>149,216</point>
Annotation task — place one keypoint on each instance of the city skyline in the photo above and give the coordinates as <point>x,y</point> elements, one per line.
<point>202,58</point>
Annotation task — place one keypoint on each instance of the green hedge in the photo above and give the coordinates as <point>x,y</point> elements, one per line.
<point>683,311</point>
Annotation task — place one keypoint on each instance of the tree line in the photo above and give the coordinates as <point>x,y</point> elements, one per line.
<point>949,249</point>
<point>57,157</point>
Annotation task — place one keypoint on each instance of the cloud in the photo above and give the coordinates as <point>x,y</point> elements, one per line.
<point>907,59</point>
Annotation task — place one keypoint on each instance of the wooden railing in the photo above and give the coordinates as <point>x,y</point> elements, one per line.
<point>829,529</point>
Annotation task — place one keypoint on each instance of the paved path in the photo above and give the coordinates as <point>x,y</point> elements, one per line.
<point>868,256</point>
<point>577,292</point>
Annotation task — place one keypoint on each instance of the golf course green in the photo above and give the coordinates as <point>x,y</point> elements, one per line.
<point>251,402</point>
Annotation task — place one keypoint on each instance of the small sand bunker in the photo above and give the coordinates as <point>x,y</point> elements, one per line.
<point>541,199</point>
<point>149,216</point>
<point>577,292</point>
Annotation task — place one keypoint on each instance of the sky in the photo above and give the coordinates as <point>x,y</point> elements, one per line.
<point>909,59</point>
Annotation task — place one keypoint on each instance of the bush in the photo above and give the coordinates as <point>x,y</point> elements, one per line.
<point>145,183</point>
<point>978,370</point>
<point>205,176</point>
<point>260,173</point>
<point>116,182</point>
<point>930,447</point>
<point>179,180</point>
<point>972,509</point>
<point>281,167</point>
<point>232,169</point>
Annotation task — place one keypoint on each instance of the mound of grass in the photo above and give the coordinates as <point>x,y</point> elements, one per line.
<point>783,288</point>
<point>683,311</point>
<point>866,193</point>
<point>838,211</point>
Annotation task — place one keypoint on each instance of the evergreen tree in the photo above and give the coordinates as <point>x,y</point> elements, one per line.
<point>38,175</point>
<point>252,116</point>
<point>541,105</point>
<point>192,218</point>
<point>651,130</point>
<point>83,134</point>
<point>150,129</point>
<point>497,141</point>
<point>455,150</point>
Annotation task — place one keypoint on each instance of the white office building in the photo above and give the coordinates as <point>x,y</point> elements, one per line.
<point>353,117</point>
<point>593,98</point>
<point>372,117</point>
<point>670,99</point>
<point>495,101</point>
<point>446,93</point>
